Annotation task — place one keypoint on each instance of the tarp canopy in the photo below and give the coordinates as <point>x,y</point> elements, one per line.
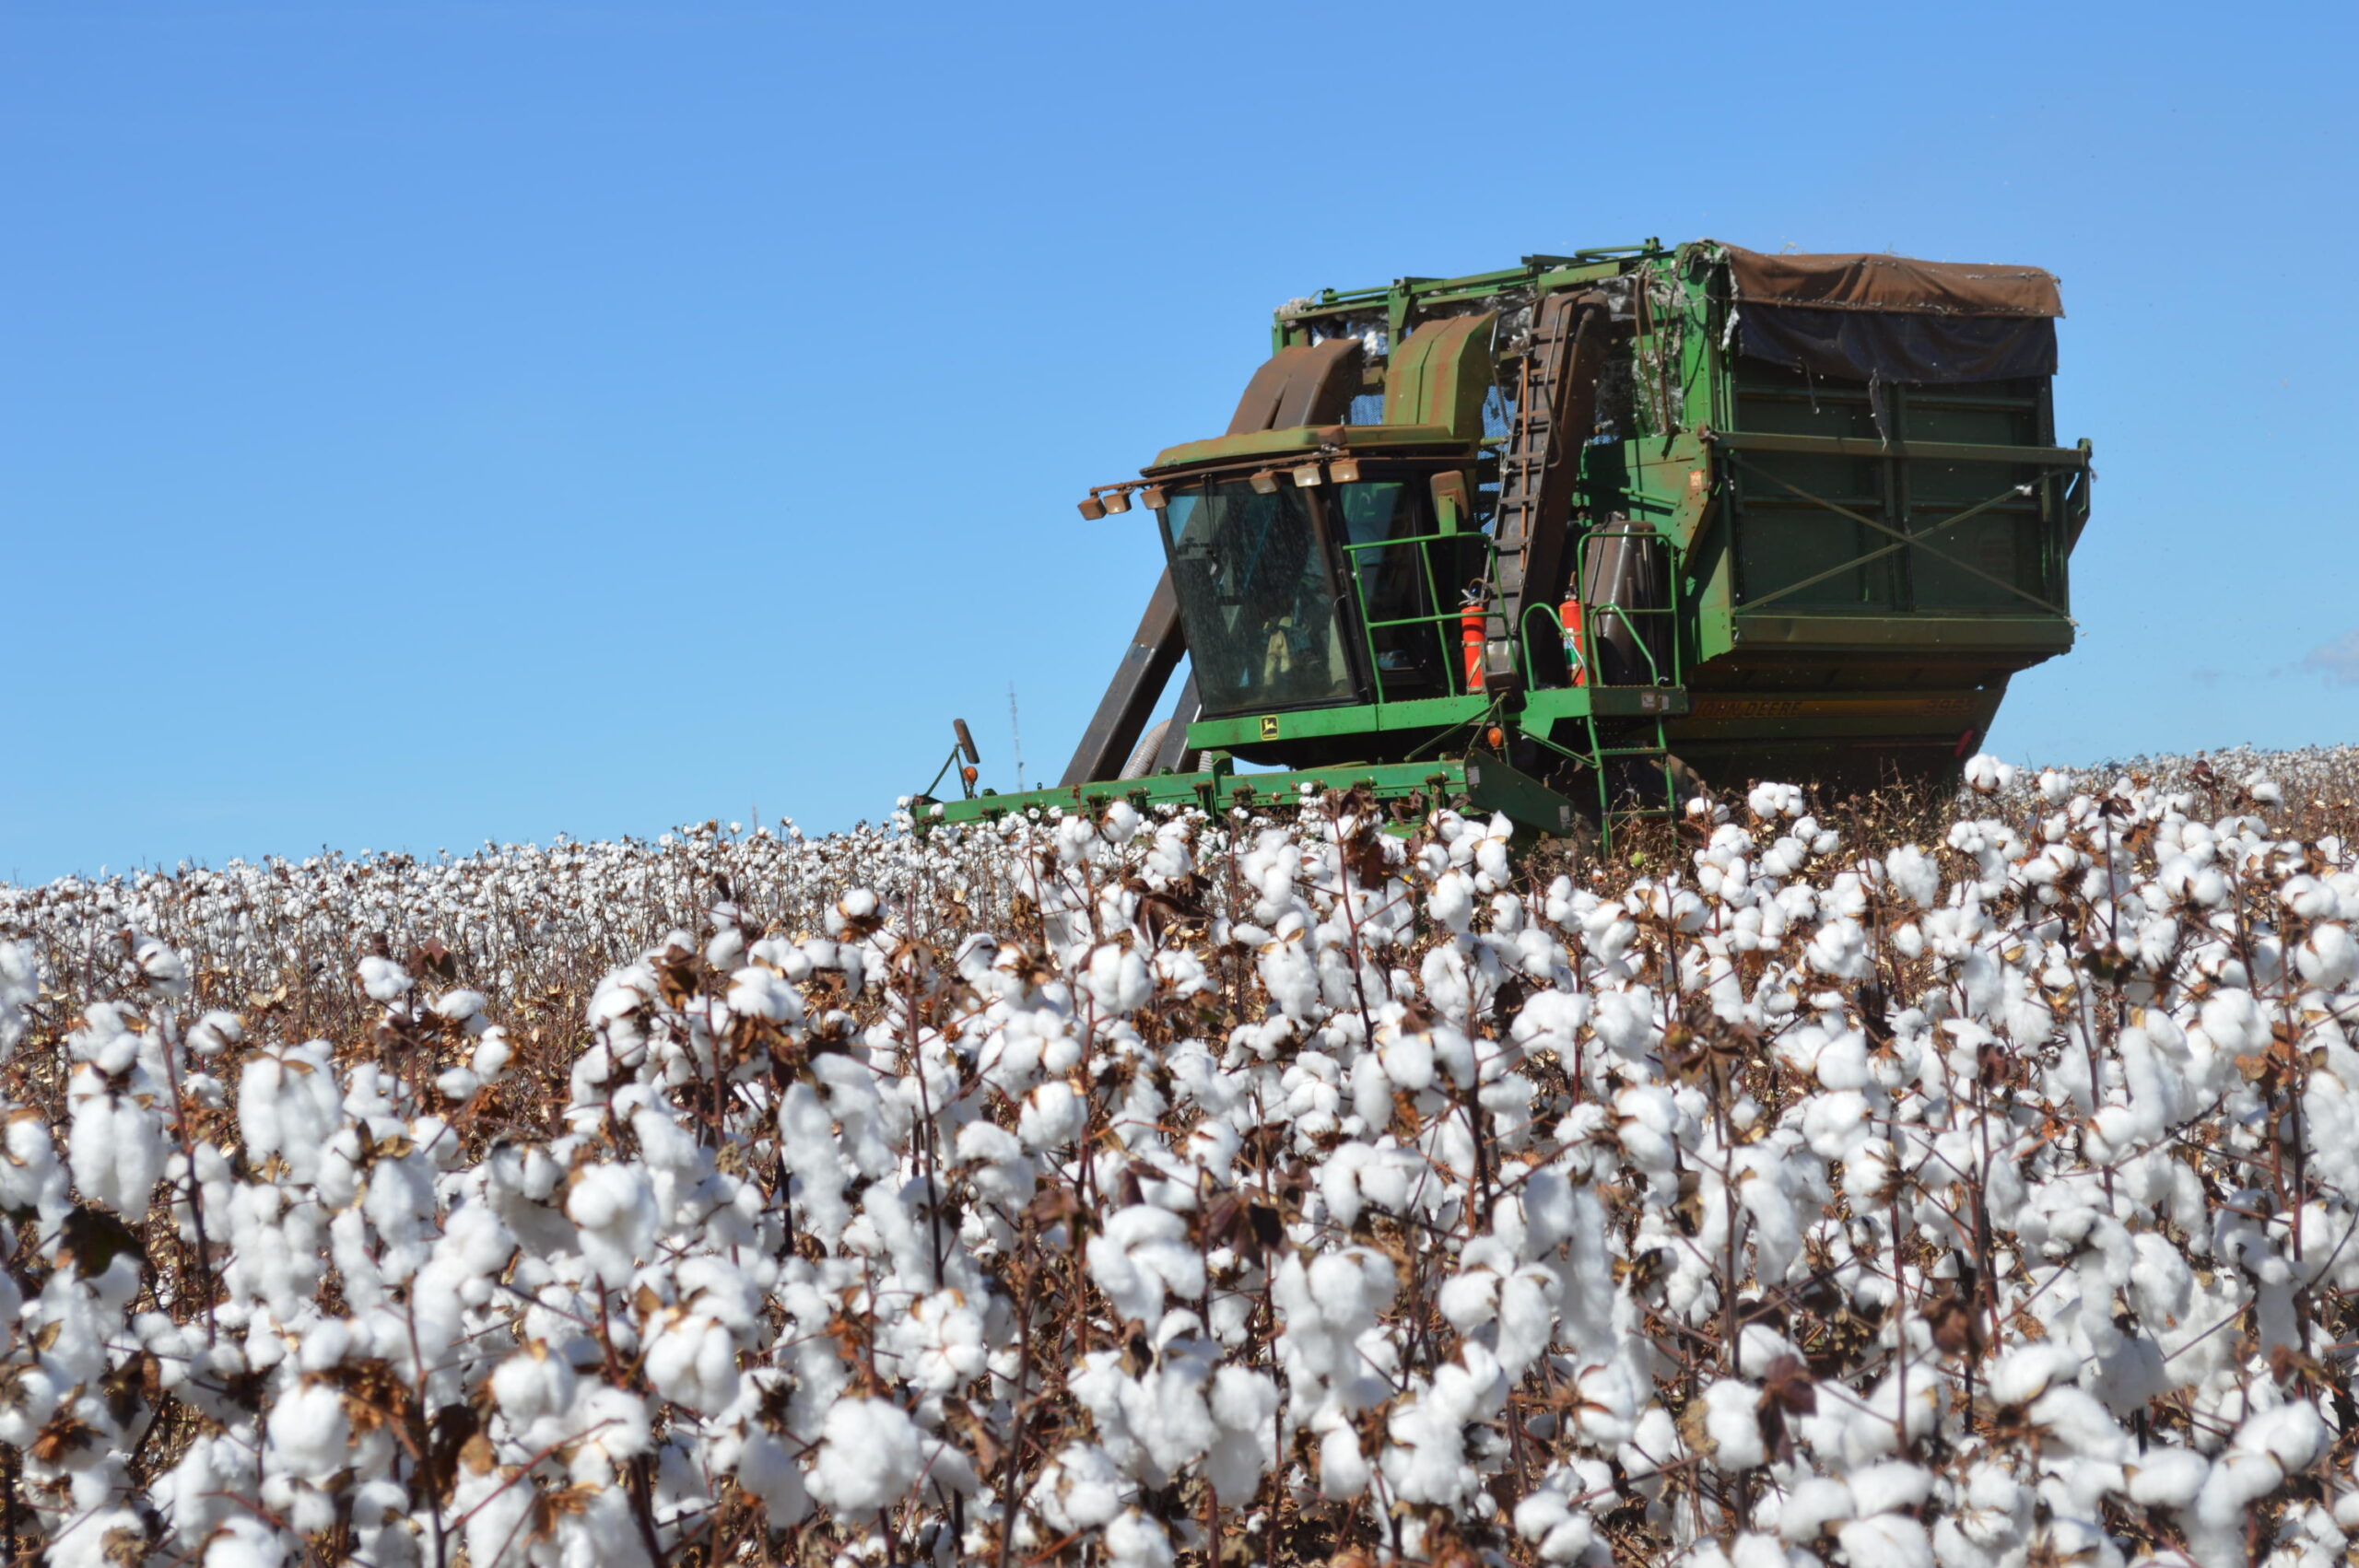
<point>1876,318</point>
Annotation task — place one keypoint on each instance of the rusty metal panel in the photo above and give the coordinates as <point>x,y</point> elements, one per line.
<point>1307,384</point>
<point>1442,373</point>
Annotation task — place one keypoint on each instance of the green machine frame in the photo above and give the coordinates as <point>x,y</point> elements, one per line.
<point>1688,557</point>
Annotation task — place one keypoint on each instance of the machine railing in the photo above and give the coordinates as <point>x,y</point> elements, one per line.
<point>1596,613</point>
<point>1444,619</point>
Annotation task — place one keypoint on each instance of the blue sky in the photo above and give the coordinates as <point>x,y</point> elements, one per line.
<point>423,423</point>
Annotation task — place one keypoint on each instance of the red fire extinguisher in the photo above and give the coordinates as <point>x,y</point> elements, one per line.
<point>1576,649</point>
<point>1470,640</point>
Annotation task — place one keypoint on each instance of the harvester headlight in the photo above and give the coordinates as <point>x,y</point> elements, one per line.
<point>1265,482</point>
<point>1116,500</point>
<point>1154,498</point>
<point>1092,508</point>
<point>1308,475</point>
<point>1345,470</point>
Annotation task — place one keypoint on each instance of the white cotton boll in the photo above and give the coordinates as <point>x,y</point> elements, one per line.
<point>1731,1424</point>
<point>19,989</point>
<point>2054,787</point>
<point>116,1152</point>
<point>857,906</point>
<point>781,958</point>
<point>868,1456</point>
<point>765,1468</point>
<point>1889,1487</point>
<point>383,980</point>
<point>2075,1418</point>
<point>1451,903</point>
<point>2292,1434</point>
<point>1243,1405</point>
<point>289,1105</point>
<point>1133,1540</point>
<point>2234,1025</point>
<point>1118,980</point>
<point>211,1035</point>
<point>1836,1124</point>
<point>1887,1540</point>
<point>1752,1551</point>
<point>1143,1250</point>
<point>457,1007</point>
<point>1342,1467</point>
<point>1986,775</point>
<point>2023,1374</point>
<point>1054,1115</point>
<point>2238,1481</point>
<point>1811,1504</point>
<point>755,992</point>
<point>1408,1057</point>
<point>2167,1477</point>
<point>614,1207</point>
<point>164,969</point>
<point>1080,1488</point>
<point>1914,875</point>
<point>2328,958</point>
<point>309,1434</point>
<point>107,1040</point>
<point>692,1361</point>
<point>1000,1168</point>
<point>489,1063</point>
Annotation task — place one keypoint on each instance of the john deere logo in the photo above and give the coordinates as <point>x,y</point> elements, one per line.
<point>1269,726</point>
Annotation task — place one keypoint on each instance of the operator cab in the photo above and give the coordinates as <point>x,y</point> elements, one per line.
<point>1298,595</point>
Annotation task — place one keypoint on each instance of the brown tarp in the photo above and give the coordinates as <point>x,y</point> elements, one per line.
<point>1876,318</point>
<point>1869,282</point>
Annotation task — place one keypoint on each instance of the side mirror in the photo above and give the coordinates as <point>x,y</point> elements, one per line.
<point>1452,506</point>
<point>966,740</point>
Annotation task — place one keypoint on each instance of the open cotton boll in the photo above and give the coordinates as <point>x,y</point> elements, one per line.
<point>310,1434</point>
<point>2167,1477</point>
<point>614,1207</point>
<point>19,989</point>
<point>457,1007</point>
<point>1810,1505</point>
<point>383,980</point>
<point>207,1037</point>
<point>2294,1435</point>
<point>288,1106</point>
<point>116,1150</point>
<point>2023,1374</point>
<point>756,992</point>
<point>1986,775</point>
<point>692,1361</point>
<point>1887,1540</point>
<point>1732,1425</point>
<point>1889,1487</point>
<point>868,1456</point>
<point>1133,1540</point>
<point>1142,1251</point>
<point>1054,1115</point>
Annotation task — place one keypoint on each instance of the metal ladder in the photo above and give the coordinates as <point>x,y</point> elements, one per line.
<point>1620,745</point>
<point>1615,808</point>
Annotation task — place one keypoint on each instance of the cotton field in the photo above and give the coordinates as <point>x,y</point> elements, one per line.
<point>1165,1188</point>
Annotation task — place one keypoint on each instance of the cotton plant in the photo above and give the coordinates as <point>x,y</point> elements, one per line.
<point>1317,1181</point>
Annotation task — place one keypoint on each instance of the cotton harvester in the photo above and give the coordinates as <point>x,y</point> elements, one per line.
<point>1549,539</point>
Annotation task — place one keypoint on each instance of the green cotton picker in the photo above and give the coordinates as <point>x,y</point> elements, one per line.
<point>1561,540</point>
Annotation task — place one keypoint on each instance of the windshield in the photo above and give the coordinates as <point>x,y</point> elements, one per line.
<point>1257,599</point>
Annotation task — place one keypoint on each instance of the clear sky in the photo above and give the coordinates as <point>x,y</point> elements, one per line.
<point>427,423</point>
